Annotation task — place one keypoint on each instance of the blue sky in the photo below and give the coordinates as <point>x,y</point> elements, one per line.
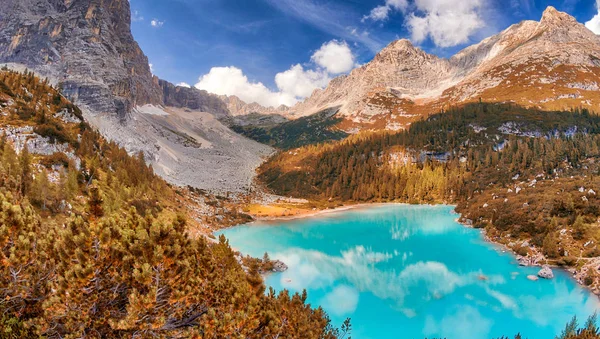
<point>258,39</point>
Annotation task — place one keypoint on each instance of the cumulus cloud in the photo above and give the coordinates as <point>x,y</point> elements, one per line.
<point>157,23</point>
<point>447,22</point>
<point>293,85</point>
<point>381,13</point>
<point>335,56</point>
<point>232,81</point>
<point>301,83</point>
<point>184,84</point>
<point>594,24</point>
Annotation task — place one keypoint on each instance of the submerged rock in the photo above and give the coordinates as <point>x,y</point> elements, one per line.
<point>279,266</point>
<point>532,277</point>
<point>546,273</point>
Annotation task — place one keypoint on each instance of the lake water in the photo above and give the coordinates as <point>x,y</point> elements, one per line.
<point>404,271</point>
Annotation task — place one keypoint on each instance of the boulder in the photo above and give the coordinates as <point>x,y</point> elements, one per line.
<point>279,266</point>
<point>523,261</point>
<point>546,273</point>
<point>532,277</point>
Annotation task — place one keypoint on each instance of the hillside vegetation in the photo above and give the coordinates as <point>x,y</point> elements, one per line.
<point>530,178</point>
<point>313,129</point>
<point>94,245</point>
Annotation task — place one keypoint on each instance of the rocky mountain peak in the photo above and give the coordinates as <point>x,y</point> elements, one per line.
<point>400,50</point>
<point>402,44</point>
<point>238,107</point>
<point>554,17</point>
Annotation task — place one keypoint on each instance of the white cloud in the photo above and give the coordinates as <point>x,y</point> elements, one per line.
<point>381,13</point>
<point>335,56</point>
<point>184,84</point>
<point>301,83</point>
<point>232,81</point>
<point>157,23</point>
<point>293,85</point>
<point>447,22</point>
<point>151,68</point>
<point>594,24</point>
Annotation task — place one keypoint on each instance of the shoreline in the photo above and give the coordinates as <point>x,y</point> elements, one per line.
<point>317,212</point>
<point>338,209</point>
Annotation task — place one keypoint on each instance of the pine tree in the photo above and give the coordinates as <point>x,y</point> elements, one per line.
<point>26,176</point>
<point>95,202</point>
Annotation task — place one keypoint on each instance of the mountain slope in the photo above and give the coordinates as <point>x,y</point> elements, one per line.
<point>87,49</point>
<point>94,245</point>
<point>551,64</point>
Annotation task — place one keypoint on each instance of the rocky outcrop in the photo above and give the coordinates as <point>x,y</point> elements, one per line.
<point>238,107</point>
<point>530,260</point>
<point>192,98</point>
<point>546,272</point>
<point>86,46</point>
<point>552,64</point>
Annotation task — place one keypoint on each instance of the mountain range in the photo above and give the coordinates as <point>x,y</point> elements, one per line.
<point>86,48</point>
<point>550,64</point>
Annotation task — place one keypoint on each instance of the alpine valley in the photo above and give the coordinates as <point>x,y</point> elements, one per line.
<point>113,181</point>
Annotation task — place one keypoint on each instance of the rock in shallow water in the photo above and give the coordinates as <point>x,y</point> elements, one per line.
<point>279,266</point>
<point>532,277</point>
<point>546,273</point>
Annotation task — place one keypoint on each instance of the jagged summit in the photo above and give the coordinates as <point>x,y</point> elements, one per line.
<point>553,16</point>
<point>237,106</point>
<point>401,49</point>
<point>401,44</point>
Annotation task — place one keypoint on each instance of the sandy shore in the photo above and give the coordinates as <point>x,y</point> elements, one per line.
<point>314,213</point>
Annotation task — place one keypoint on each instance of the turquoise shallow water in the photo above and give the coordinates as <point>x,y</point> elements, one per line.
<point>404,271</point>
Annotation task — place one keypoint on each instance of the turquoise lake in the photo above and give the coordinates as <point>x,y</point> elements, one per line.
<point>401,271</point>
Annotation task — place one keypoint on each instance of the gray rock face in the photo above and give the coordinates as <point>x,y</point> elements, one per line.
<point>85,45</point>
<point>546,273</point>
<point>192,98</point>
<point>238,107</point>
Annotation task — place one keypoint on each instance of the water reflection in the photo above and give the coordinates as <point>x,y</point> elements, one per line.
<point>412,270</point>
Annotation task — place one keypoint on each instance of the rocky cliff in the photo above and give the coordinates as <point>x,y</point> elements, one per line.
<point>192,98</point>
<point>551,64</point>
<point>238,107</point>
<point>86,47</point>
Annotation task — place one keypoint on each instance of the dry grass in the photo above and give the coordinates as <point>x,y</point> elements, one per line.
<point>273,211</point>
